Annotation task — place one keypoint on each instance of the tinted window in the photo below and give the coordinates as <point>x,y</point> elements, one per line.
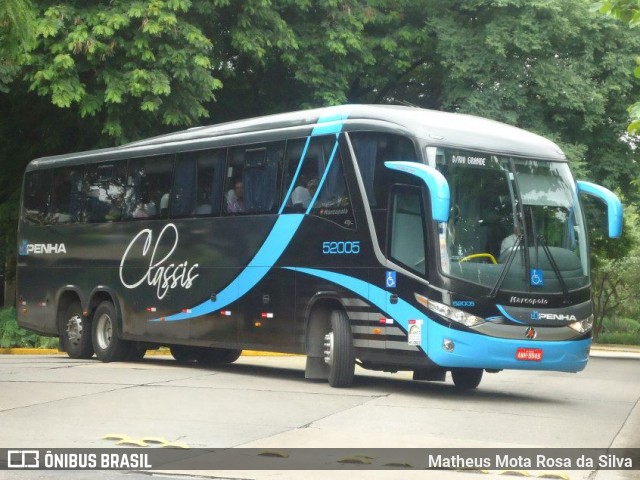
<point>36,196</point>
<point>104,188</point>
<point>197,183</point>
<point>253,179</point>
<point>148,187</point>
<point>66,201</point>
<point>372,150</point>
<point>316,180</point>
<point>406,242</point>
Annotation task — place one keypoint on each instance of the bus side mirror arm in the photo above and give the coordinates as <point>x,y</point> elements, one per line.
<point>436,185</point>
<point>614,206</point>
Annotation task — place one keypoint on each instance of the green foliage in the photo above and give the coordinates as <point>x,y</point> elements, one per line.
<point>135,65</point>
<point>12,336</point>
<point>16,38</point>
<point>628,11</point>
<point>619,338</point>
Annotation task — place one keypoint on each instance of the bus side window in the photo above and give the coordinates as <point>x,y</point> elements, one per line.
<point>332,201</point>
<point>253,179</point>
<point>406,228</point>
<point>197,183</point>
<point>37,196</point>
<point>372,150</point>
<point>104,186</point>
<point>67,198</point>
<point>148,187</point>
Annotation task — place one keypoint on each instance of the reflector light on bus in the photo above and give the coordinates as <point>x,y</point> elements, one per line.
<point>186,310</point>
<point>226,313</point>
<point>151,309</point>
<point>258,324</point>
<point>377,331</point>
<point>266,315</point>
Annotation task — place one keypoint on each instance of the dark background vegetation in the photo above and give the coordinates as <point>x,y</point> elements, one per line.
<point>78,75</point>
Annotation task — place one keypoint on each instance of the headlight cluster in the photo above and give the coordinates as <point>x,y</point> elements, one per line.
<point>582,326</point>
<point>451,313</point>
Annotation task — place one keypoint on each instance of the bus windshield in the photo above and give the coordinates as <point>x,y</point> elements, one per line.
<point>515,224</point>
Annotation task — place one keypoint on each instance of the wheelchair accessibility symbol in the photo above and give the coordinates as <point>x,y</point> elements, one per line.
<point>390,279</point>
<point>537,277</point>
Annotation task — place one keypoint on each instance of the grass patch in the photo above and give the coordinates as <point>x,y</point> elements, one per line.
<point>620,330</point>
<point>12,336</point>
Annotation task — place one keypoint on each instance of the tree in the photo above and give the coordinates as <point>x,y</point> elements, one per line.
<point>628,11</point>
<point>16,37</point>
<point>137,66</point>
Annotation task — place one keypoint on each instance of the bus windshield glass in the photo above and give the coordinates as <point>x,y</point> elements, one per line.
<point>515,224</point>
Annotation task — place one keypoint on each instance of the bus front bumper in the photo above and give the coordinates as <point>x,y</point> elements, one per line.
<point>451,348</point>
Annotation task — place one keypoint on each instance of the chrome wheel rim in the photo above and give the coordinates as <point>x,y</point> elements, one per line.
<point>104,331</point>
<point>74,329</point>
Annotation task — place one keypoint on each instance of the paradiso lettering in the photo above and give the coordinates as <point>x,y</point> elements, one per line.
<point>160,273</point>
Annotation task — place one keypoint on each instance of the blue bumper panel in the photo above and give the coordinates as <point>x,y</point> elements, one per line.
<point>479,351</point>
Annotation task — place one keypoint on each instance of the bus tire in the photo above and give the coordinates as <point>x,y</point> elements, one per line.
<point>75,333</point>
<point>216,356</point>
<point>466,378</point>
<point>339,352</point>
<point>182,353</point>
<point>107,343</point>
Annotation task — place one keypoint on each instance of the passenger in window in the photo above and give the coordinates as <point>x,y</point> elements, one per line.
<point>235,198</point>
<point>301,196</point>
<point>164,205</point>
<point>145,209</point>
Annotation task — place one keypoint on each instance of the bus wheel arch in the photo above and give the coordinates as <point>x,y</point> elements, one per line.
<point>329,343</point>
<point>74,327</point>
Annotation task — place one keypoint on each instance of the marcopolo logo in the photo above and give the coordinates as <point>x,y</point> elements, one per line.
<point>535,315</point>
<point>27,248</point>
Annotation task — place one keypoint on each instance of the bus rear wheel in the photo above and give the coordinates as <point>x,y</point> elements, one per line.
<point>107,343</point>
<point>75,333</point>
<point>466,378</point>
<point>339,353</point>
<point>182,353</point>
<point>216,356</point>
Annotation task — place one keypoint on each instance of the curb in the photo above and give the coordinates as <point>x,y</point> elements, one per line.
<point>161,351</point>
<point>258,353</point>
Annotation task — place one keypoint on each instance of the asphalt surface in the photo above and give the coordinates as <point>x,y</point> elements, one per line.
<point>51,401</point>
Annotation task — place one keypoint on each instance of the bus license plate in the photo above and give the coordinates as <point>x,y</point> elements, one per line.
<point>529,354</point>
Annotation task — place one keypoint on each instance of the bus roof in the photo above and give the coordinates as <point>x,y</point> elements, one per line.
<point>435,127</point>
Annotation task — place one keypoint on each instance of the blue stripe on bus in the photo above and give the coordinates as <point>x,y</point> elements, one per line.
<point>324,177</point>
<point>471,350</point>
<point>510,317</point>
<point>401,312</point>
<point>271,250</point>
<point>325,125</point>
<point>295,176</point>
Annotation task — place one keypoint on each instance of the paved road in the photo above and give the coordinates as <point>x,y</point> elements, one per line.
<point>264,402</point>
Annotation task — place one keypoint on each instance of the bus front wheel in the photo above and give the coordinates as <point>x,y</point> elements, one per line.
<point>107,343</point>
<point>338,351</point>
<point>466,378</point>
<point>75,333</point>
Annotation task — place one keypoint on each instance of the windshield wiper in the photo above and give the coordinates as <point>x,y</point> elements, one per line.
<point>555,268</point>
<point>503,274</point>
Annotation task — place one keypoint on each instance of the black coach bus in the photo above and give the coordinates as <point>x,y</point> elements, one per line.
<point>394,237</point>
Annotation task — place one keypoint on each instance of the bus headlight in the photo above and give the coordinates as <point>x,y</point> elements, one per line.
<point>451,313</point>
<point>582,326</point>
